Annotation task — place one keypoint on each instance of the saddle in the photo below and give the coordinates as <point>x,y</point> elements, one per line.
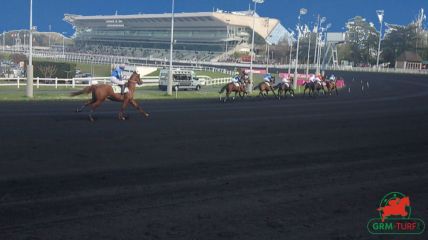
<point>117,89</point>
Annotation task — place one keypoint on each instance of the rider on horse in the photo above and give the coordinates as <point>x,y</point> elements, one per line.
<point>332,78</point>
<point>117,77</point>
<point>314,79</point>
<point>285,81</point>
<point>236,80</point>
<point>268,79</point>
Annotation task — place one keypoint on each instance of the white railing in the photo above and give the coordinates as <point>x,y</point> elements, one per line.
<point>217,81</point>
<point>83,82</point>
<point>68,82</point>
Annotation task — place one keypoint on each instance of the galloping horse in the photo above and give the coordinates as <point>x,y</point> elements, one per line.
<point>314,88</point>
<point>308,86</point>
<point>331,86</point>
<point>265,88</point>
<point>101,92</point>
<point>283,88</point>
<point>231,87</point>
<point>319,86</point>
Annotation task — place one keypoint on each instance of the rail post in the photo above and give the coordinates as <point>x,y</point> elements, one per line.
<point>38,82</point>
<point>73,83</point>
<point>56,82</point>
<point>17,81</point>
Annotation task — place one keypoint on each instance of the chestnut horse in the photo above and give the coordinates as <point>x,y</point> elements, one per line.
<point>101,92</point>
<point>231,87</point>
<point>265,88</point>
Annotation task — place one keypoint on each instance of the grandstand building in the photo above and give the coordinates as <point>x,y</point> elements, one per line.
<point>203,31</point>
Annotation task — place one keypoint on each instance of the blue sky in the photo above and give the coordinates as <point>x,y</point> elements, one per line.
<point>14,13</point>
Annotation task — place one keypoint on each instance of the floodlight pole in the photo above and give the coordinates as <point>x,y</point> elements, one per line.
<point>252,45</point>
<point>380,14</point>
<point>63,44</point>
<point>169,88</point>
<point>29,89</point>
<point>4,42</point>
<point>267,45</point>
<point>50,31</point>
<point>316,41</point>
<point>289,61</point>
<point>302,12</point>
<point>309,51</point>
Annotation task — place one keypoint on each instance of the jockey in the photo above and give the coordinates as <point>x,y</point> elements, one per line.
<point>116,77</point>
<point>312,78</point>
<point>267,78</point>
<point>236,80</point>
<point>332,78</point>
<point>243,76</point>
<point>285,81</point>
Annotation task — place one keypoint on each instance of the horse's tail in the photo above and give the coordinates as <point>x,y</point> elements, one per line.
<point>223,89</point>
<point>86,90</point>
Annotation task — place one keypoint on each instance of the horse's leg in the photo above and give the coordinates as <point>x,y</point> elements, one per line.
<point>273,91</point>
<point>121,114</point>
<point>227,96</point>
<point>140,109</point>
<point>89,102</point>
<point>94,106</point>
<point>80,109</point>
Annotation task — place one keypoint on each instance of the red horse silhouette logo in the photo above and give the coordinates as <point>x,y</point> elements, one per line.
<point>395,207</point>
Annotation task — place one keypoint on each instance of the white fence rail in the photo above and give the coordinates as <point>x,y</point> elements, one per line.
<point>83,82</point>
<point>70,82</point>
<point>217,81</point>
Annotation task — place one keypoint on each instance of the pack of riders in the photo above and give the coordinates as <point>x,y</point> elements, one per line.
<point>314,78</point>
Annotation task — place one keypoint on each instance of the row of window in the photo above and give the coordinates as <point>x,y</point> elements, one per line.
<point>158,34</point>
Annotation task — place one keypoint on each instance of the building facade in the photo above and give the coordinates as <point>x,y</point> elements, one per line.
<point>203,31</point>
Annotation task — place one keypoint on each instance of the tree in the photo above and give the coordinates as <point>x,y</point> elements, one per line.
<point>281,51</point>
<point>362,38</point>
<point>48,71</point>
<point>399,39</point>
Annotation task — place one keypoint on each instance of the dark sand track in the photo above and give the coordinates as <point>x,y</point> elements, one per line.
<point>290,169</point>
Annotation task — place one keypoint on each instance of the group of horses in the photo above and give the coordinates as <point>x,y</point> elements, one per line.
<point>102,92</point>
<point>280,90</point>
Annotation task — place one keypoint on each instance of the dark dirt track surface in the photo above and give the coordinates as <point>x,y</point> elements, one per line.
<point>291,169</point>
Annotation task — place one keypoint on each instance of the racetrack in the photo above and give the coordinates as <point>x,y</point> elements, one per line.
<point>257,169</point>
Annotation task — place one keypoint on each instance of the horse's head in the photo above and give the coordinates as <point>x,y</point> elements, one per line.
<point>135,77</point>
<point>405,201</point>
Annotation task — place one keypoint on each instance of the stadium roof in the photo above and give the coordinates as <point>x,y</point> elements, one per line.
<point>262,26</point>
